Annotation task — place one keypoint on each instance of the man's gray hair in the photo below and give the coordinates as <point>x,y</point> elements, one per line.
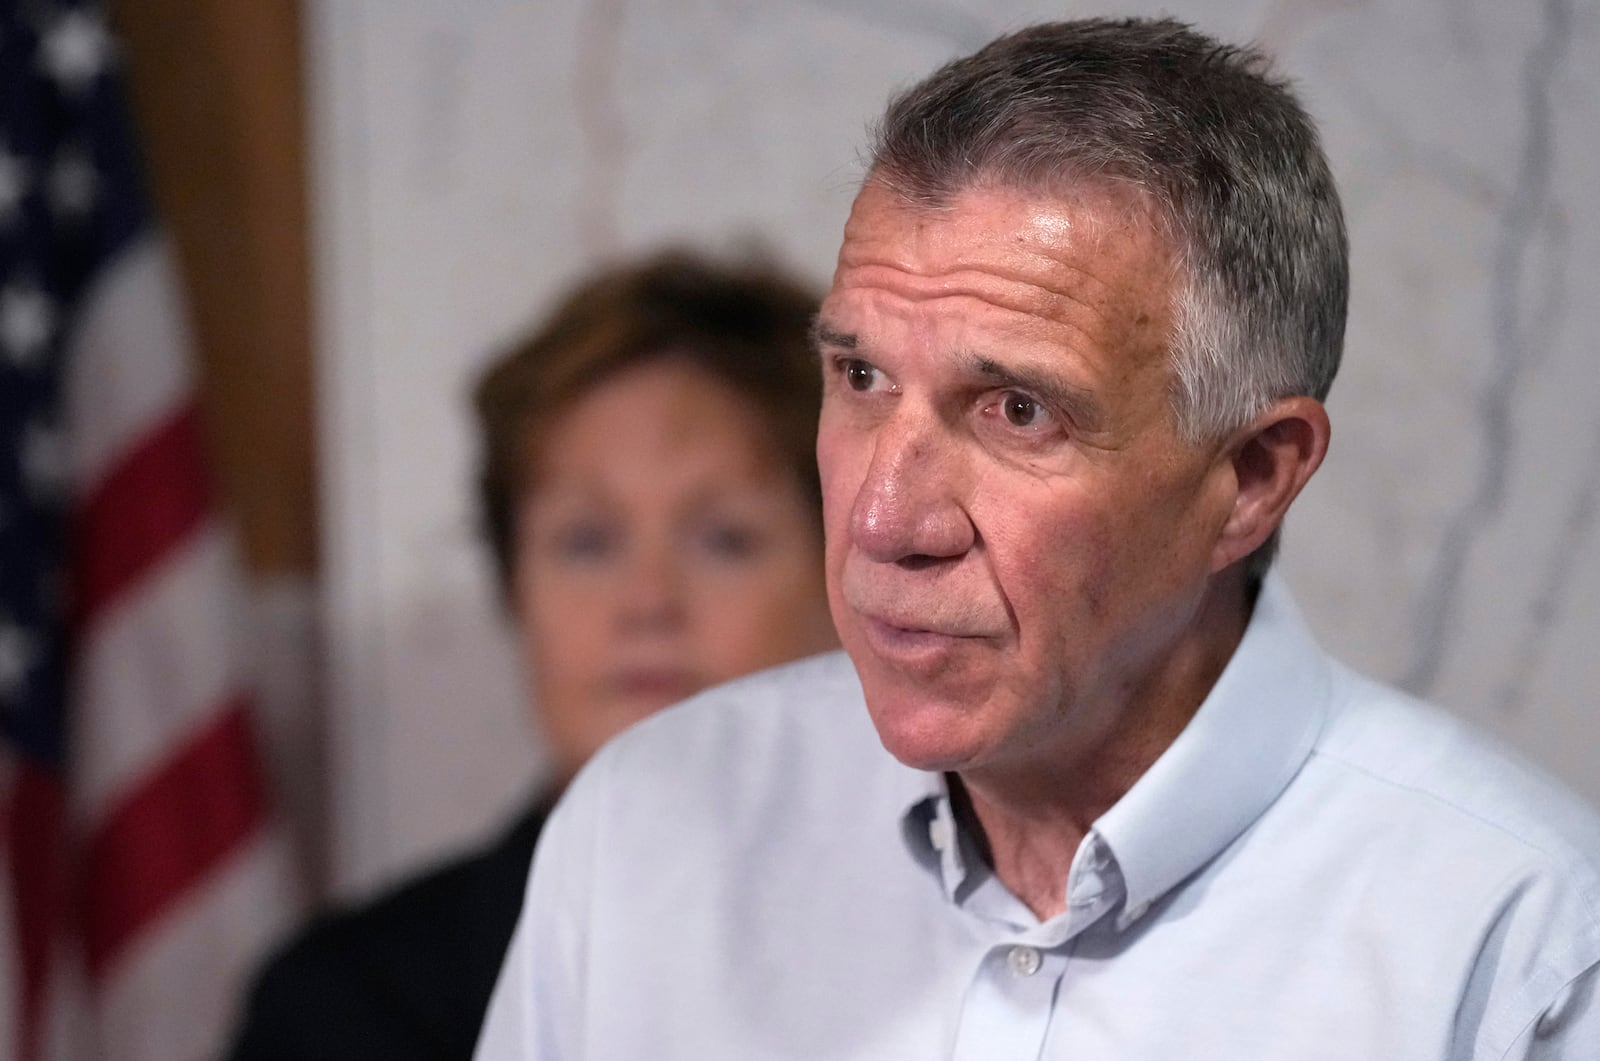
<point>1223,149</point>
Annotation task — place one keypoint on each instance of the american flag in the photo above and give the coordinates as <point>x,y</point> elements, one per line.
<point>139,870</point>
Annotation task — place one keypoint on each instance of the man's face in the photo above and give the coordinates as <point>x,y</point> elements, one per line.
<point>1018,543</point>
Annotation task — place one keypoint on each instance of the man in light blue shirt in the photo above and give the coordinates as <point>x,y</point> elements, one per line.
<point>1083,786</point>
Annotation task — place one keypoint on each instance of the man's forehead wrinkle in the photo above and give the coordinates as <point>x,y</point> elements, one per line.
<point>1040,315</point>
<point>1042,280</point>
<point>1093,223</point>
<point>1009,288</point>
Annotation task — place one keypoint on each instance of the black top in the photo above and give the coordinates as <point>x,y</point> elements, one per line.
<point>406,975</point>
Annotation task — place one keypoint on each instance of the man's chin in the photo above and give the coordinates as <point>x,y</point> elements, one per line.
<point>923,733</point>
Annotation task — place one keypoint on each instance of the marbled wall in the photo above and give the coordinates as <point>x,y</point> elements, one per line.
<point>471,158</point>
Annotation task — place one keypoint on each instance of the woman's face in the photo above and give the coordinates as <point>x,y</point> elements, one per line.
<point>663,547</point>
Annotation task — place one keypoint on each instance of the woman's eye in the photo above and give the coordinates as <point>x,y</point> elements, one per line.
<point>859,374</point>
<point>583,541</point>
<point>1022,411</point>
<point>730,542</point>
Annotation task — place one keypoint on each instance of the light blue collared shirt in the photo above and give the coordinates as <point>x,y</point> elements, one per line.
<point>1318,867</point>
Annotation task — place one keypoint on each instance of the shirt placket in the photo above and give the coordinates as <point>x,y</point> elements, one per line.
<point>1007,1010</point>
<point>1011,1000</point>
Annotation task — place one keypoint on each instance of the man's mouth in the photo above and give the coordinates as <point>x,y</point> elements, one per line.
<point>911,641</point>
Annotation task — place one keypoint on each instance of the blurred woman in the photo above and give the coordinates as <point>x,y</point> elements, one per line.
<point>650,494</point>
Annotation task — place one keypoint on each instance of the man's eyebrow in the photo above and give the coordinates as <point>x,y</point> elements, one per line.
<point>1078,405</point>
<point>824,336</point>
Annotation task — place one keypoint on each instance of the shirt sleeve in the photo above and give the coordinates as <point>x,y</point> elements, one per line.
<point>537,1008</point>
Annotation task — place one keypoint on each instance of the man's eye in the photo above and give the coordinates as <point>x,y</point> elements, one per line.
<point>859,374</point>
<point>1021,410</point>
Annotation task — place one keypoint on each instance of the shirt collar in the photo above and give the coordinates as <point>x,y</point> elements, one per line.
<point>1250,736</point>
<point>1248,739</point>
<point>928,827</point>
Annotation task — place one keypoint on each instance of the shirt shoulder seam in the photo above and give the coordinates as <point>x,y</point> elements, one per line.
<point>1560,865</point>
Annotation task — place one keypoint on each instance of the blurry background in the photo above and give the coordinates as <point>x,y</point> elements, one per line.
<point>368,197</point>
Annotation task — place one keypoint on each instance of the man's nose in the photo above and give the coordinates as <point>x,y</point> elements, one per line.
<point>908,508</point>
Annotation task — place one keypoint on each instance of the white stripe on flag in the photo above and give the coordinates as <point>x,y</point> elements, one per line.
<point>68,1033</point>
<point>127,359</point>
<point>141,690</point>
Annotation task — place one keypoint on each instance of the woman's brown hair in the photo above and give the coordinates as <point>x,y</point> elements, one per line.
<point>747,324</point>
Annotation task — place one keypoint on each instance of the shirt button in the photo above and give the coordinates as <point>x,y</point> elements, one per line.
<point>939,834</point>
<point>1024,961</point>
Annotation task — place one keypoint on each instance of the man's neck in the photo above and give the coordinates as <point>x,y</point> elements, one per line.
<point>1030,823</point>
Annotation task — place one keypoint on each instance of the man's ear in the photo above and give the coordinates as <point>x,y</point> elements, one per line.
<point>1272,459</point>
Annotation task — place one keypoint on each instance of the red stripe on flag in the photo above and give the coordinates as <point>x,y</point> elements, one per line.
<point>149,502</point>
<point>35,832</point>
<point>171,833</point>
